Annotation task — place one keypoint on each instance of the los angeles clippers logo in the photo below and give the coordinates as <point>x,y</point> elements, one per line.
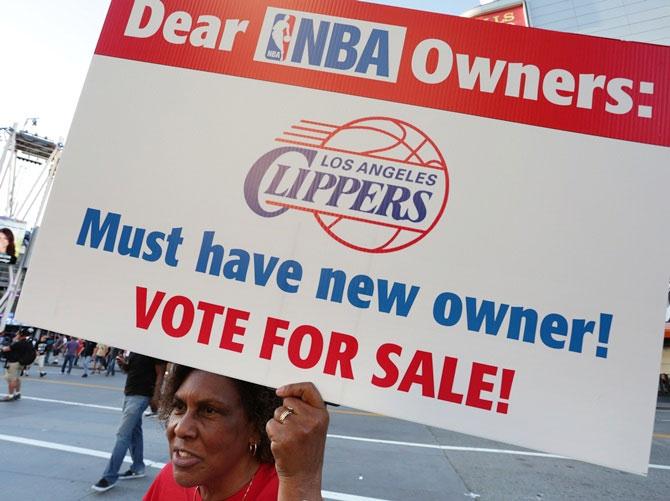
<point>375,184</point>
<point>280,38</point>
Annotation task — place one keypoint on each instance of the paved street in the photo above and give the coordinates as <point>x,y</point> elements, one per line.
<point>55,440</point>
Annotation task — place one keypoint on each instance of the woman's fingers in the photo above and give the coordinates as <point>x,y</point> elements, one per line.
<point>306,392</point>
<point>298,428</point>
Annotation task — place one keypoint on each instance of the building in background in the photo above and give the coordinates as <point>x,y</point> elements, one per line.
<point>638,20</point>
<point>501,11</point>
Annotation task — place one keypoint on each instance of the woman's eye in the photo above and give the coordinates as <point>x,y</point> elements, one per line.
<point>178,406</point>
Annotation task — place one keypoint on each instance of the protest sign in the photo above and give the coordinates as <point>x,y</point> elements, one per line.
<point>445,220</point>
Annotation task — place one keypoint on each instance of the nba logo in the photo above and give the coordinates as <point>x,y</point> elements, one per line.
<point>280,39</point>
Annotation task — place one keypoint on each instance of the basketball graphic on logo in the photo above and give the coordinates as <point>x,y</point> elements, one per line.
<point>375,184</point>
<point>384,138</point>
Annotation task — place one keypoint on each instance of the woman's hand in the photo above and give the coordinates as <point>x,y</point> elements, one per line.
<point>298,436</point>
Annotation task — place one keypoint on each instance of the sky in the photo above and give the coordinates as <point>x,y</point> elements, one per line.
<point>47,47</point>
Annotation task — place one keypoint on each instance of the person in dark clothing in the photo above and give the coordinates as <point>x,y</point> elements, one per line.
<point>111,361</point>
<point>86,355</point>
<point>49,347</point>
<point>14,353</point>
<point>143,384</point>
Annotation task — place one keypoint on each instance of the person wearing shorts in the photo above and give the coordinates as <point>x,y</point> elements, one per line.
<point>14,353</point>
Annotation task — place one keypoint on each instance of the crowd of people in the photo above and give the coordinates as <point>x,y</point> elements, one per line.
<point>29,347</point>
<point>67,352</point>
<point>95,358</point>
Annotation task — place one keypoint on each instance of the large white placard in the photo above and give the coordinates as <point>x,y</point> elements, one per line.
<point>495,278</point>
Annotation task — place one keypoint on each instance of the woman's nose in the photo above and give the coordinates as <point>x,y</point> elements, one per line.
<point>185,425</point>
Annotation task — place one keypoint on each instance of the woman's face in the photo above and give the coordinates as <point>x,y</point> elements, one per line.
<point>209,434</point>
<point>4,242</point>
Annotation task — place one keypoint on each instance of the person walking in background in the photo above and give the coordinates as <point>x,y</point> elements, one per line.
<point>100,358</point>
<point>49,347</point>
<point>59,345</point>
<point>30,336</point>
<point>17,355</point>
<point>86,355</point>
<point>80,348</point>
<point>111,361</point>
<point>145,378</point>
<point>41,354</point>
<point>70,353</point>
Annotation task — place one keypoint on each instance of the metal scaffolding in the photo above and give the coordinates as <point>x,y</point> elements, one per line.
<point>27,168</point>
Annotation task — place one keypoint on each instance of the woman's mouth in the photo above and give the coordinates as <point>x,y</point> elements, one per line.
<point>182,458</point>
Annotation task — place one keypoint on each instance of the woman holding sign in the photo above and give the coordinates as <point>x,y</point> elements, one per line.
<point>236,441</point>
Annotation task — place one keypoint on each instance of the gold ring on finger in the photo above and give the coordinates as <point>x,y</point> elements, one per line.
<point>286,413</point>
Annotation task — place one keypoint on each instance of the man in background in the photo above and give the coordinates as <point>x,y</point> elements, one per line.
<point>41,354</point>
<point>86,356</point>
<point>111,361</point>
<point>58,346</point>
<point>69,354</point>
<point>145,378</point>
<point>50,341</point>
<point>15,353</point>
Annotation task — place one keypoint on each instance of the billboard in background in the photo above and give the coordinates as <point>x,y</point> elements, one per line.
<point>12,234</point>
<point>512,14</point>
<point>451,222</point>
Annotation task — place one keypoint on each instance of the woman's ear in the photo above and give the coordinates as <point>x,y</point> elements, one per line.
<point>254,435</point>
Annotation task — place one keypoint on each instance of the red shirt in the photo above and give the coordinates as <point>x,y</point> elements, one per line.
<point>264,487</point>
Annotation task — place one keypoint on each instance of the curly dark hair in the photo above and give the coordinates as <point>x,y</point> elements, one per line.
<point>259,404</point>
